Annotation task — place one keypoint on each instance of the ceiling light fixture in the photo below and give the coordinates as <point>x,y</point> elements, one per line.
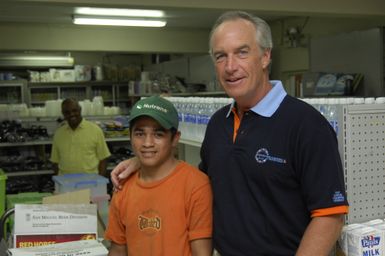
<point>119,12</point>
<point>35,60</point>
<point>108,21</point>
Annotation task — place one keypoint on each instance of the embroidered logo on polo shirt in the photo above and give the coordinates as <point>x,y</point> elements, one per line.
<point>262,156</point>
<point>338,197</point>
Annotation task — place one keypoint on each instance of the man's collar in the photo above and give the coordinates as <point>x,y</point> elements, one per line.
<point>270,103</point>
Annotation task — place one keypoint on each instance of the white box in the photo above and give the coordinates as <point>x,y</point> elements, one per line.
<point>54,75</point>
<point>343,240</point>
<point>366,241</point>
<point>67,75</point>
<point>83,247</point>
<point>62,75</point>
<point>43,224</point>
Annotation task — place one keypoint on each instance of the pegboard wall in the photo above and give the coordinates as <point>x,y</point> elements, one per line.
<point>362,147</point>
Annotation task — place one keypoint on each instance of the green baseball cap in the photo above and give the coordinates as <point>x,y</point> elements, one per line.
<point>158,108</point>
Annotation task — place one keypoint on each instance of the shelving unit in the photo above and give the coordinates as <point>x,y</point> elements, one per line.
<point>114,93</point>
<point>12,92</point>
<point>107,92</point>
<point>362,147</point>
<point>185,94</point>
<point>38,95</point>
<point>40,147</point>
<point>30,173</point>
<point>39,92</point>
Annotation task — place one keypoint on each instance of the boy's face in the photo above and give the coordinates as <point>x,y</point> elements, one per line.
<point>151,143</point>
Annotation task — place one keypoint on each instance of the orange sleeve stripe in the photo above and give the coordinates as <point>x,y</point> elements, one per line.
<point>343,209</point>
<point>237,123</point>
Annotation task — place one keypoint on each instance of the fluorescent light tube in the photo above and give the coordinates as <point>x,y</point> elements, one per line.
<point>118,22</point>
<point>20,60</point>
<point>119,12</point>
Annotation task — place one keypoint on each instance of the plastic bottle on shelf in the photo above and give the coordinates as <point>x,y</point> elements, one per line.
<point>369,100</point>
<point>322,106</point>
<point>195,118</point>
<point>314,102</point>
<point>217,103</point>
<point>203,117</point>
<point>359,101</point>
<point>98,105</point>
<point>331,113</point>
<point>188,119</point>
<point>209,111</point>
<point>177,101</point>
<point>183,116</point>
<point>380,100</point>
<point>343,101</point>
<point>227,101</point>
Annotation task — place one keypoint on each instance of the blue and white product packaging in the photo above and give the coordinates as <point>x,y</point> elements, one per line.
<point>365,241</point>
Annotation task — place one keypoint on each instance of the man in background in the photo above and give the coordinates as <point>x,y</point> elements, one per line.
<point>78,145</point>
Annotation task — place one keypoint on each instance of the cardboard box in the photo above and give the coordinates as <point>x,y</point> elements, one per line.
<point>76,248</point>
<point>84,197</point>
<point>39,224</point>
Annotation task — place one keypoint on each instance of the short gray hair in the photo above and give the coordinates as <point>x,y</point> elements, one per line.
<point>262,29</point>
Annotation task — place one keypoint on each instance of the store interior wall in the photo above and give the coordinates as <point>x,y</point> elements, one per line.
<point>296,59</point>
<point>51,37</point>
<point>289,61</point>
<point>134,46</point>
<point>354,52</point>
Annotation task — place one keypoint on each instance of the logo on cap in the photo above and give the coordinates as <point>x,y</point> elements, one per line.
<point>152,106</point>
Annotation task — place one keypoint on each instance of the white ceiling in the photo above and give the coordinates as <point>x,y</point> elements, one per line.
<point>46,25</point>
<point>185,13</point>
<point>16,12</point>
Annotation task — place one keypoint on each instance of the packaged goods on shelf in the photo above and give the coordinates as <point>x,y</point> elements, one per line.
<point>82,73</point>
<point>62,75</point>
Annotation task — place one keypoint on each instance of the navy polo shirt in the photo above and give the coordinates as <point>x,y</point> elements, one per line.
<point>283,166</point>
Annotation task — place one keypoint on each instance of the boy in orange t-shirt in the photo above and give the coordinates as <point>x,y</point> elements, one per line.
<point>166,207</point>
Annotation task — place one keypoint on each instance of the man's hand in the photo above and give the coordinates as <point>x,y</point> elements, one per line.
<point>123,170</point>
